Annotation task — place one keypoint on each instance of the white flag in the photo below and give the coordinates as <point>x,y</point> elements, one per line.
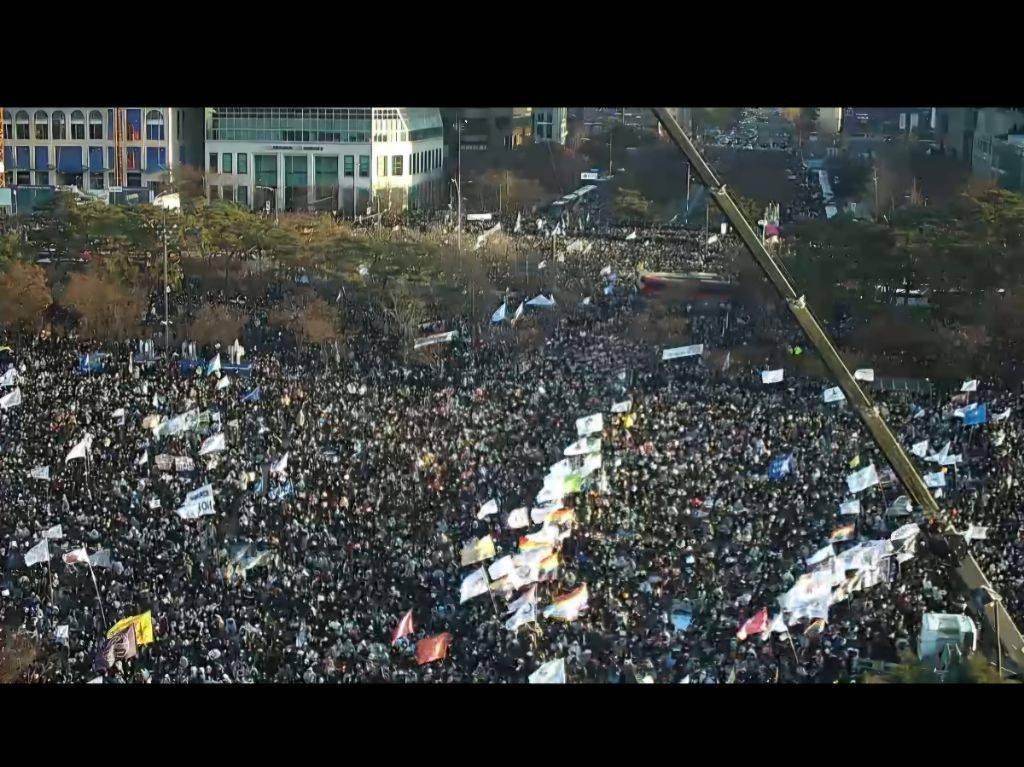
<point>622,407</point>
<point>728,361</point>
<point>143,459</point>
<point>489,508</point>
<point>281,467</point>
<point>214,365</point>
<point>224,383</point>
<point>971,385</point>
<point>863,479</point>
<point>519,311</point>
<point>935,479</point>
<point>906,532</point>
<point>864,374</point>
<point>79,450</point>
<point>835,394</point>
<point>54,533</point>
<point>61,635</point>
<point>606,271</point>
<point>975,533</point>
<point>538,515</point>
<point>10,378</point>
<point>500,313</point>
<point>771,376</point>
<point>519,223</point>
<point>473,585</point>
<point>212,444</point>
<point>501,567</point>
<point>11,400</point>
<point>76,556</point>
<point>528,597</point>
<point>542,264</point>
<point>1001,416</point>
<point>940,456</point>
<point>38,553</point>
<point>589,424</point>
<point>40,472</point>
<point>552,672</point>
<point>519,518</point>
<point>694,350</point>
<point>525,614</point>
<point>631,235</point>
<point>118,415</point>
<point>849,507</point>
<point>920,449</point>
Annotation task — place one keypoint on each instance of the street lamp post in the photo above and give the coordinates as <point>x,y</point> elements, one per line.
<point>274,190</point>
<point>167,325</point>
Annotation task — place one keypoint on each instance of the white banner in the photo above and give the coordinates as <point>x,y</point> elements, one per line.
<point>38,553</point>
<point>771,376</point>
<point>489,508</point>
<point>682,351</point>
<point>864,374</point>
<point>518,518</point>
<point>584,446</point>
<point>935,479</point>
<point>10,378</point>
<point>437,338</point>
<point>11,400</point>
<point>40,472</point>
<point>971,385</point>
<point>473,585</point>
<point>552,672</point>
<point>212,444</point>
<point>920,449</point>
<point>849,507</point>
<point>623,407</point>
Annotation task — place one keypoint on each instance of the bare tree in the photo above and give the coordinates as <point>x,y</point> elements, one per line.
<point>24,296</point>
<point>216,323</point>
<point>108,310</point>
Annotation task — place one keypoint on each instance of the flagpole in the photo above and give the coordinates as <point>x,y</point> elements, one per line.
<point>99,598</point>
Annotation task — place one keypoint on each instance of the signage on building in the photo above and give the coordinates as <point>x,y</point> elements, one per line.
<point>478,216</point>
<point>590,176</point>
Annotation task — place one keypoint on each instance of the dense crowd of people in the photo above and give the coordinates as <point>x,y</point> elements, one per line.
<point>348,490</point>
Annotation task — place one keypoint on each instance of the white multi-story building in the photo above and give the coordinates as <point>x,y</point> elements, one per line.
<point>58,146</point>
<point>551,124</point>
<point>352,159</point>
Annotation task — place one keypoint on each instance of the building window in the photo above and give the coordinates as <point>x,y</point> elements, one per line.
<point>214,192</point>
<point>133,124</point>
<point>77,126</point>
<point>156,159</point>
<point>213,162</point>
<point>154,126</point>
<point>42,178</point>
<point>133,156</point>
<point>226,162</point>
<point>396,165</point>
<point>95,180</point>
<point>9,178</point>
<point>24,178</point>
<point>59,126</point>
<point>134,180</point>
<point>382,166</point>
<point>95,126</point>
<point>350,165</point>
<point>364,166</point>
<point>42,126</point>
<point>8,125</point>
<point>243,163</point>
<point>229,191</point>
<point>21,126</point>
<point>243,195</point>
<point>326,173</point>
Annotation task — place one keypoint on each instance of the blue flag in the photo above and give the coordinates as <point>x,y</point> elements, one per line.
<point>779,466</point>
<point>975,415</point>
<point>253,396</point>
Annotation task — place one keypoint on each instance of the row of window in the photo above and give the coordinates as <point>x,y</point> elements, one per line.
<point>43,178</point>
<point>226,163</point>
<point>229,194</point>
<point>44,126</point>
<point>421,162</point>
<point>70,158</point>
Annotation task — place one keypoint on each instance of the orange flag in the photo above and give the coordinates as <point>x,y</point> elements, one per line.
<point>433,648</point>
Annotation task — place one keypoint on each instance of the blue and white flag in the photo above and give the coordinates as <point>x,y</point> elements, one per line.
<point>214,365</point>
<point>780,466</point>
<point>212,444</point>
<point>849,507</point>
<point>1001,416</point>
<point>771,376</point>
<point>863,479</point>
<point>920,449</point>
<point>253,396</point>
<point>935,479</point>
<point>975,415</point>
<point>501,314</point>
<point>281,492</point>
<point>519,311</point>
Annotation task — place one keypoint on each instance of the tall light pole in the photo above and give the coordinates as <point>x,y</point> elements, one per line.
<point>274,190</point>
<point>167,325</point>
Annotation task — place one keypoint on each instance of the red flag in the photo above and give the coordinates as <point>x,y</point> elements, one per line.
<point>404,627</point>
<point>432,648</point>
<point>755,625</point>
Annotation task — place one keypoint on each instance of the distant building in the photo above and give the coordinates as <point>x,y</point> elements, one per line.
<point>954,132</point>
<point>74,146</point>
<point>353,160</point>
<point>998,153</point>
<point>550,124</point>
<point>486,128</point>
<point>888,120</point>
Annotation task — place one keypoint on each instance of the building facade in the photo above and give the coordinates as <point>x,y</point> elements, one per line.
<point>551,124</point>
<point>486,128</point>
<point>74,146</point>
<point>354,160</point>
<point>998,153</point>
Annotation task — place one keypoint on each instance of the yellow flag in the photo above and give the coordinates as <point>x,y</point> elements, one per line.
<point>628,420</point>
<point>855,462</point>
<point>143,627</point>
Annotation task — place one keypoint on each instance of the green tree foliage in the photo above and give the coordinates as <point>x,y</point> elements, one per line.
<point>631,205</point>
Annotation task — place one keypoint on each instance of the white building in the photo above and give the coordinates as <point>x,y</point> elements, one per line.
<point>551,124</point>
<point>352,159</point>
<point>57,146</point>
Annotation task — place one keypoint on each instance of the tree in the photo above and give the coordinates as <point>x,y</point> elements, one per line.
<point>24,296</point>
<point>108,310</point>
<point>12,246</point>
<point>974,670</point>
<point>217,323</point>
<point>631,205</point>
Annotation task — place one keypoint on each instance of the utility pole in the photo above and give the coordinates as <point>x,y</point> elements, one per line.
<point>874,175</point>
<point>686,215</point>
<point>167,326</point>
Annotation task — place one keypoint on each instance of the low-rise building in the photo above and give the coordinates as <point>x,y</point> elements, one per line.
<point>354,160</point>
